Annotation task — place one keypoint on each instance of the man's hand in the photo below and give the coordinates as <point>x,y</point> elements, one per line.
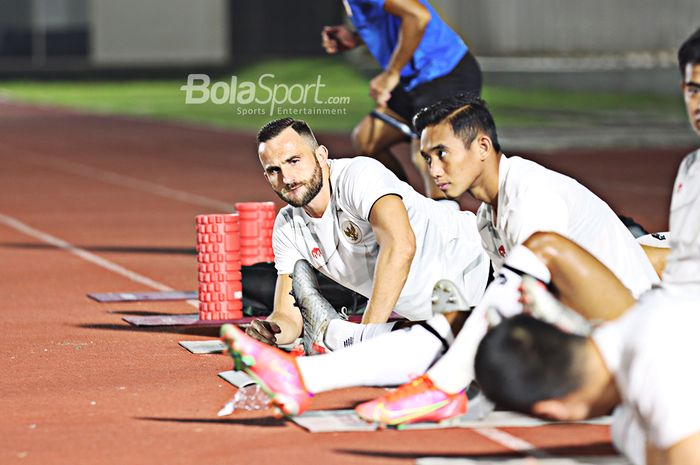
<point>264,331</point>
<point>338,39</point>
<point>381,86</point>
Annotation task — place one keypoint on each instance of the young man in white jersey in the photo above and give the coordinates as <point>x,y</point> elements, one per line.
<point>644,362</point>
<point>533,221</point>
<point>460,139</point>
<point>355,222</point>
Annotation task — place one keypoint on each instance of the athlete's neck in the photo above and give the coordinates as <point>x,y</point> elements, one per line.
<point>485,187</point>
<point>317,207</point>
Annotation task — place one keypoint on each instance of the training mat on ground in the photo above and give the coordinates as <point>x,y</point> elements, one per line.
<point>182,320</point>
<point>325,421</point>
<point>142,296</point>
<point>497,419</point>
<point>193,320</point>
<point>329,421</point>
<point>592,460</point>
<point>237,378</point>
<point>214,346</point>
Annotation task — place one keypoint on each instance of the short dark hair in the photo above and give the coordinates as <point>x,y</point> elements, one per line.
<point>689,51</point>
<point>274,128</point>
<point>524,360</point>
<point>467,114</point>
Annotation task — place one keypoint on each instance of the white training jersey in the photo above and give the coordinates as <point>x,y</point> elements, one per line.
<point>683,262</point>
<point>651,351</point>
<point>532,198</point>
<point>342,245</point>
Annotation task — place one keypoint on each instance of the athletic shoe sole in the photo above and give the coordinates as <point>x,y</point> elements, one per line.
<point>316,311</point>
<point>447,298</point>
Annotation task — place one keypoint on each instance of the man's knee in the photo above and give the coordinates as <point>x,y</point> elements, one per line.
<point>359,137</point>
<point>546,245</point>
<point>371,136</point>
<point>365,137</point>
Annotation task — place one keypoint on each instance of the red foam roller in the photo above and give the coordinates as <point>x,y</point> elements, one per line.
<point>232,242</point>
<point>254,206</point>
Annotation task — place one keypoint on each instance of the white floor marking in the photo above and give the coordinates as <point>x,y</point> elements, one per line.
<point>512,442</point>
<point>85,255</point>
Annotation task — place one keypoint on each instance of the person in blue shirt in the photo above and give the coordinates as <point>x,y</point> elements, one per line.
<point>423,61</point>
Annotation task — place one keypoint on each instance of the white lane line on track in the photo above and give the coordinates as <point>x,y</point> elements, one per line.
<point>126,181</point>
<point>511,442</point>
<point>85,255</point>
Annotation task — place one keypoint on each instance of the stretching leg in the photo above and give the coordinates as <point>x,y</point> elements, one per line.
<point>581,281</point>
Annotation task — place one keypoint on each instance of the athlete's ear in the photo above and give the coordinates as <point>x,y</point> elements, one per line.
<point>321,153</point>
<point>484,144</point>
<point>262,163</point>
<point>552,409</point>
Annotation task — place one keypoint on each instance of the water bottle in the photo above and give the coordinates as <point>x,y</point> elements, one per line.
<point>247,398</point>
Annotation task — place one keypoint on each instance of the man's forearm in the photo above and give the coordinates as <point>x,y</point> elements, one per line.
<point>393,265</point>
<point>410,35</point>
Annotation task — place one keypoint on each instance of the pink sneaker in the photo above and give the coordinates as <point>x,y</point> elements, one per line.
<point>417,401</point>
<point>274,370</point>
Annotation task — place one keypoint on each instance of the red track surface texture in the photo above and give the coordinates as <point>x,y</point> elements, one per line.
<point>80,386</point>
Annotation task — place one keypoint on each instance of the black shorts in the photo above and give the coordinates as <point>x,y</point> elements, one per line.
<point>464,78</point>
<point>260,281</point>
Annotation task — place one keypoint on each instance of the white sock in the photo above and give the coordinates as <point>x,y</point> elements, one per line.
<point>389,360</point>
<point>455,370</point>
<point>341,334</point>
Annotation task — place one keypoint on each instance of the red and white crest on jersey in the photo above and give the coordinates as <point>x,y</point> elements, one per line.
<point>316,253</point>
<point>501,251</point>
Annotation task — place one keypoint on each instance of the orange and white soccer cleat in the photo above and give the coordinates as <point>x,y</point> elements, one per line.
<point>417,401</point>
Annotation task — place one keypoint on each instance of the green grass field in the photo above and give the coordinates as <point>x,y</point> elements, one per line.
<point>163,99</point>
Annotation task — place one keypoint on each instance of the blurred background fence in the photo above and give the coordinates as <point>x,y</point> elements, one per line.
<point>530,38</point>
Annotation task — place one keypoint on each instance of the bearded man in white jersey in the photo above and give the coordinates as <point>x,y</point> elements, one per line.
<point>520,198</point>
<point>642,363</point>
<point>358,224</point>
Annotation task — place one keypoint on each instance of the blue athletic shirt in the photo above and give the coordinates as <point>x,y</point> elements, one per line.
<point>437,54</point>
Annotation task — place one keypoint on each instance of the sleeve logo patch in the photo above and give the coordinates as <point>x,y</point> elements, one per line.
<point>352,232</point>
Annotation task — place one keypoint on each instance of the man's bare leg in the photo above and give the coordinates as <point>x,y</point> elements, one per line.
<point>391,359</point>
<point>582,282</point>
<point>657,257</point>
<point>374,138</point>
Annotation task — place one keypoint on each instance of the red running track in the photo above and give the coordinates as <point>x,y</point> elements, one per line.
<point>79,386</point>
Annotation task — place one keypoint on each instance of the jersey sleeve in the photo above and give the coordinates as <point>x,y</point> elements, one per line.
<point>286,253</point>
<point>364,182</point>
<point>537,209</point>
